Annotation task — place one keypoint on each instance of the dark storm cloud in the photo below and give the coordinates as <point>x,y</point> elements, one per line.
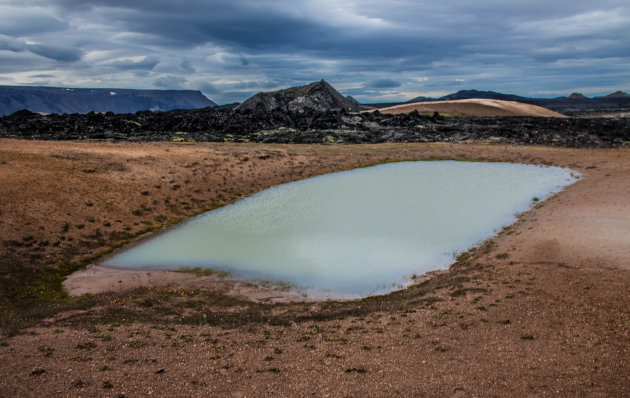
<point>370,49</point>
<point>55,52</point>
<point>247,24</point>
<point>58,53</point>
<point>128,64</point>
<point>26,20</point>
<point>259,27</point>
<point>9,43</point>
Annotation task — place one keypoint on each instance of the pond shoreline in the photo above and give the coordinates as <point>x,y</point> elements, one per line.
<point>546,299</point>
<point>355,233</point>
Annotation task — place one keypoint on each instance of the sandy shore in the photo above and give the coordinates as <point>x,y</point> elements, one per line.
<point>542,310</point>
<point>97,279</point>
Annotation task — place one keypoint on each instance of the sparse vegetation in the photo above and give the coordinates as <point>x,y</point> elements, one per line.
<point>204,271</point>
<point>374,327</point>
<point>86,346</point>
<point>527,336</point>
<point>356,370</point>
<point>136,343</point>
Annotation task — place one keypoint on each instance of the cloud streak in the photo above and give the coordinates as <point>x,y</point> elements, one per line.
<point>373,50</point>
<point>51,51</point>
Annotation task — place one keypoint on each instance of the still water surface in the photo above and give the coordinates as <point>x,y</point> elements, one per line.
<point>358,232</point>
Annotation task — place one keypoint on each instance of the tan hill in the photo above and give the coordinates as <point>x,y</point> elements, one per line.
<point>475,107</point>
<point>618,94</point>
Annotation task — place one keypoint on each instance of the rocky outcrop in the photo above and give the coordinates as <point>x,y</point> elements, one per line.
<point>319,96</point>
<point>83,100</point>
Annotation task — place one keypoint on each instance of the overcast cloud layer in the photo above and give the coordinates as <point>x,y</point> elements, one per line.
<point>376,51</point>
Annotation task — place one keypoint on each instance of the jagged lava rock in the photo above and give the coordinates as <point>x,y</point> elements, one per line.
<point>319,96</point>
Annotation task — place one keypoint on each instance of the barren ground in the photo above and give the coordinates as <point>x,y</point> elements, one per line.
<point>474,107</point>
<point>541,310</point>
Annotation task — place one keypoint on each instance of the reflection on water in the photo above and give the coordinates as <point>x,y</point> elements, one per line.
<point>358,232</point>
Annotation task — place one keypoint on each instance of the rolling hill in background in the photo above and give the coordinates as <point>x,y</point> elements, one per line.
<point>574,104</point>
<point>475,107</point>
<point>618,94</point>
<point>84,100</point>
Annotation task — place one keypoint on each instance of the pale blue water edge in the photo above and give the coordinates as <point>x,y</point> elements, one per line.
<point>355,233</point>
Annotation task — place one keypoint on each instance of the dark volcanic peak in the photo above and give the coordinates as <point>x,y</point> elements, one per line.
<point>419,99</point>
<point>470,94</point>
<point>618,94</point>
<point>577,95</point>
<point>319,96</point>
<point>83,100</point>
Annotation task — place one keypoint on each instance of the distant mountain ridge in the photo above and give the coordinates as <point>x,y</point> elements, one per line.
<point>618,94</point>
<point>318,96</point>
<point>575,103</point>
<point>471,94</point>
<point>84,100</point>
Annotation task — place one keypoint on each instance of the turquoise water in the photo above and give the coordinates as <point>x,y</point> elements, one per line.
<point>358,232</point>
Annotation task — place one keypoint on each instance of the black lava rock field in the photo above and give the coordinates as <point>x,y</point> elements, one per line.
<point>225,124</point>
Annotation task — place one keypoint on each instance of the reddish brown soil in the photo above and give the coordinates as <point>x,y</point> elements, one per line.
<point>542,310</point>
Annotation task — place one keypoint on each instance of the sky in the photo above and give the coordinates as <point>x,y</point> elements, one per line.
<point>376,51</point>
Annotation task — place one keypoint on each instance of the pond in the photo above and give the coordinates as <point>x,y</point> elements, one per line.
<point>355,233</point>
